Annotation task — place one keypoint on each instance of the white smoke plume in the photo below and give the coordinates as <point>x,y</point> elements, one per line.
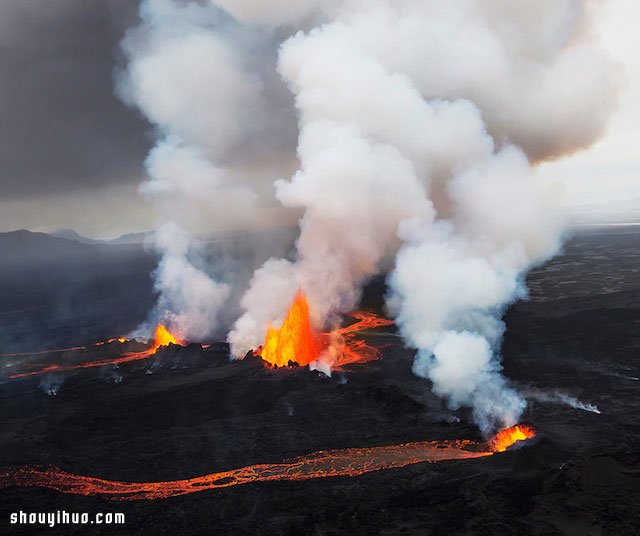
<point>424,118</point>
<point>420,122</point>
<point>186,74</point>
<point>558,397</point>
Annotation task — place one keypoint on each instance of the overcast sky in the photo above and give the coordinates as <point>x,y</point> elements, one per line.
<point>606,178</point>
<point>71,153</point>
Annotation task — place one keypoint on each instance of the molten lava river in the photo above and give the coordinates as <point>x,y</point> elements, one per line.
<point>329,463</point>
<point>162,338</point>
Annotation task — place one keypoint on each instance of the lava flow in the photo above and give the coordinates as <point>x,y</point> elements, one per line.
<point>60,350</point>
<point>346,349</point>
<point>328,463</point>
<point>162,337</point>
<point>345,462</point>
<point>297,342</point>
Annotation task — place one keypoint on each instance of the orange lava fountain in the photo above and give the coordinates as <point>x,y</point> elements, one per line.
<point>162,338</point>
<point>296,342</point>
<point>509,436</point>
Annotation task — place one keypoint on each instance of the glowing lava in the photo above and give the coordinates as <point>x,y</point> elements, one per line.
<point>350,462</point>
<point>162,338</point>
<point>346,349</point>
<point>44,352</point>
<point>297,342</point>
<point>121,340</point>
<point>505,438</point>
<point>60,350</point>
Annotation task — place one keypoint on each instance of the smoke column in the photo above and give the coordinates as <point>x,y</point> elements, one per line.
<point>188,72</point>
<point>420,122</point>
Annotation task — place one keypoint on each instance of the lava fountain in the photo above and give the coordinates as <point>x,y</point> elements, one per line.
<point>350,462</point>
<point>509,436</point>
<point>296,341</point>
<point>162,338</point>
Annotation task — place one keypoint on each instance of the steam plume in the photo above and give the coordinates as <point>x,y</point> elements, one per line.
<point>419,124</point>
<point>558,397</point>
<point>425,118</point>
<point>185,73</point>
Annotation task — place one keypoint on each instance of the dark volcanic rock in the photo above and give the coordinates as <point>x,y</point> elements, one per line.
<point>190,411</point>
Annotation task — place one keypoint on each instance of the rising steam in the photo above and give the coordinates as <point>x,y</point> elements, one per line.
<point>419,124</point>
<point>187,75</point>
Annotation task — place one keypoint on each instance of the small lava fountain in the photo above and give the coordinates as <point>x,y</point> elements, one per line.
<point>162,337</point>
<point>510,436</point>
<point>296,341</point>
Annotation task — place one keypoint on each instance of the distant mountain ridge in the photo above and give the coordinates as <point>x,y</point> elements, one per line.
<point>144,237</point>
<point>25,246</point>
<point>129,238</point>
<point>70,234</point>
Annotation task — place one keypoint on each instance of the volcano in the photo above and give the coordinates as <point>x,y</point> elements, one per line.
<point>184,438</point>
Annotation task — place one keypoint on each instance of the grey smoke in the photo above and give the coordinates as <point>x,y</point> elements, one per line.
<point>558,397</point>
<point>187,73</point>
